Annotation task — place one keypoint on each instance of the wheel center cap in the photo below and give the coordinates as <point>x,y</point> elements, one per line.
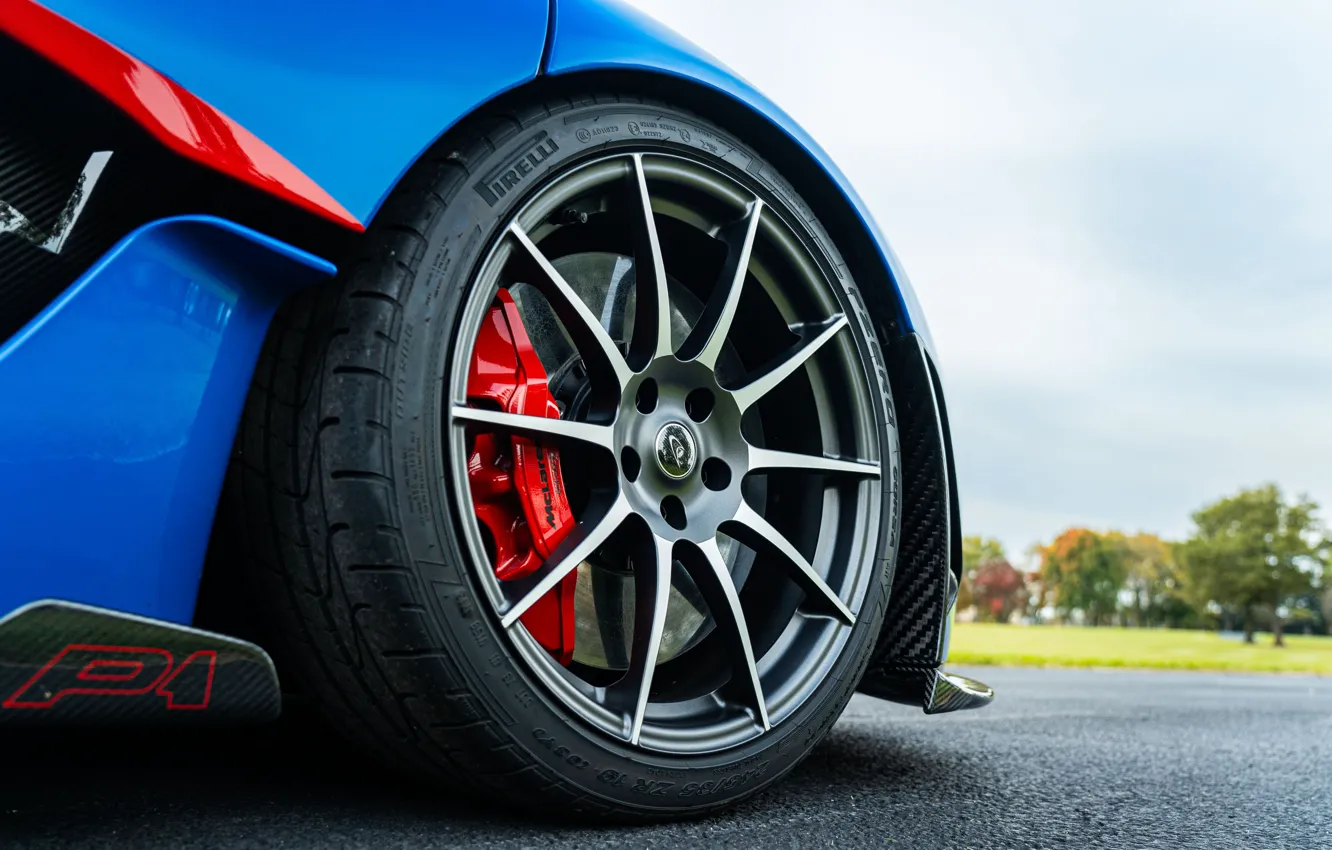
<point>676,454</point>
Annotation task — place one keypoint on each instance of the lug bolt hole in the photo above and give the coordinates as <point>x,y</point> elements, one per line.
<point>699,404</point>
<point>672,510</point>
<point>646,400</point>
<point>630,463</point>
<point>716,474</point>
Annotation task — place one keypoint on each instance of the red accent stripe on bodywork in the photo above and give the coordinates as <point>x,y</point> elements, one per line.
<point>181,121</point>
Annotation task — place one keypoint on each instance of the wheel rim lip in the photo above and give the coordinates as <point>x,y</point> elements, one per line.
<point>785,700</point>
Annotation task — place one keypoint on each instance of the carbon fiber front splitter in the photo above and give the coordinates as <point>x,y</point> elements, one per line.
<point>931,688</point>
<point>61,662</point>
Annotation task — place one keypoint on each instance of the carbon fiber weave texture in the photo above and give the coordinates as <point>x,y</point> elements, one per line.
<point>918,603</point>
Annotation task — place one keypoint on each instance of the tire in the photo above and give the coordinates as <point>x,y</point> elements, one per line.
<point>358,547</point>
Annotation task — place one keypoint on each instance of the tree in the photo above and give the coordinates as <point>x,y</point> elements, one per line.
<point>975,551</point>
<point>1153,586</point>
<point>1254,550</point>
<point>1084,571</point>
<point>999,590</point>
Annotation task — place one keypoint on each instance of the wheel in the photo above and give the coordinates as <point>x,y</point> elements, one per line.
<point>578,485</point>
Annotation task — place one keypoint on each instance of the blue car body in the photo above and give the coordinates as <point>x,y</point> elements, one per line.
<point>123,392</point>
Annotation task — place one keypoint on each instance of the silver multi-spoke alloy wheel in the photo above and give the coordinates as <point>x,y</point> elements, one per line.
<point>721,430</point>
<point>579,487</point>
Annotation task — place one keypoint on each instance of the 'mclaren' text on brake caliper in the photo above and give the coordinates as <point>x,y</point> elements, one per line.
<point>517,487</point>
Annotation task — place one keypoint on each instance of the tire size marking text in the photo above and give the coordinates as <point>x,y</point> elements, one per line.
<point>653,787</point>
<point>548,741</point>
<point>716,786</point>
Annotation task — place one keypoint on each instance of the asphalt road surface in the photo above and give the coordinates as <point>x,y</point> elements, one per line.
<point>1063,758</point>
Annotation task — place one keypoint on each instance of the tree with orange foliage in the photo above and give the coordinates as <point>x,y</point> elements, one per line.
<point>1084,571</point>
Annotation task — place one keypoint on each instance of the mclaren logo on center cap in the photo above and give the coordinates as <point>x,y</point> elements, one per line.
<point>675,450</point>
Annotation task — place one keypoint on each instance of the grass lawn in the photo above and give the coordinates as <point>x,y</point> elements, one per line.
<point>1069,646</point>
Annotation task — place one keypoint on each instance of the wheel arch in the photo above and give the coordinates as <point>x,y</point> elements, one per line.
<point>657,64</point>
<point>912,365</point>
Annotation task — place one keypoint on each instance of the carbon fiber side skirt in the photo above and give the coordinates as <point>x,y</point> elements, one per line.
<point>61,662</point>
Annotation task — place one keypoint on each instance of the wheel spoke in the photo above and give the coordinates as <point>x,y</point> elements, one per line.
<point>777,371</point>
<point>763,460</point>
<point>537,427</point>
<point>581,542</point>
<point>652,311</point>
<point>714,582</point>
<point>652,593</point>
<point>757,533</point>
<point>705,341</point>
<point>598,350</point>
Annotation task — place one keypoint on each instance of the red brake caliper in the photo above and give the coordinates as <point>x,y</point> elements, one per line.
<point>516,484</point>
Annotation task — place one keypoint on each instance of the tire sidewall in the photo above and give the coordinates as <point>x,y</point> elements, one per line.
<point>457,242</point>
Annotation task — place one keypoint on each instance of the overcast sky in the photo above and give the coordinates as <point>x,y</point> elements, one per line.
<point>1117,215</point>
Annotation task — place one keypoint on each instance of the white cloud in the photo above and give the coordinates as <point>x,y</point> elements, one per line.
<point>1117,215</point>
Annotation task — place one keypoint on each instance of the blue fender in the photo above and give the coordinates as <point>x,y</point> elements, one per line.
<point>349,92</point>
<point>599,35</point>
<point>121,402</point>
